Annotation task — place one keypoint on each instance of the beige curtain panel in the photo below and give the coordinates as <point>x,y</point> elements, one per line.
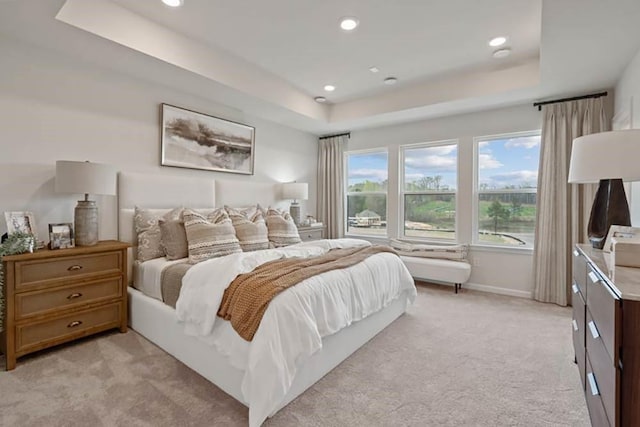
<point>331,184</point>
<point>563,209</point>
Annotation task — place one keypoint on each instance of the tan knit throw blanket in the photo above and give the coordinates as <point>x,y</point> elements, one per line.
<point>247,297</point>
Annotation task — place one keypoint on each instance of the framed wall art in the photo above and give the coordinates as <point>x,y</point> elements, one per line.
<point>197,141</point>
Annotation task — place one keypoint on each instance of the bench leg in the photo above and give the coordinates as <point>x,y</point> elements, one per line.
<point>457,286</point>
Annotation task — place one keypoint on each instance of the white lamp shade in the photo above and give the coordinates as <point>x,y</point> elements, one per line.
<point>85,178</point>
<point>295,190</point>
<point>606,155</point>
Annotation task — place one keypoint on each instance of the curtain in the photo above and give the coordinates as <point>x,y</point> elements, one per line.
<point>331,184</point>
<point>563,209</point>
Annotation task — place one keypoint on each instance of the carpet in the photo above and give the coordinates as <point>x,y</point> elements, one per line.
<point>472,359</point>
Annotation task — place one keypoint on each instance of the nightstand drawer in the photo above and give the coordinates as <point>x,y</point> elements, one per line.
<point>31,273</point>
<point>40,335</point>
<point>308,235</point>
<point>42,301</point>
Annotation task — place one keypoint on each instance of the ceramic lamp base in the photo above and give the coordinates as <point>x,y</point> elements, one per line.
<point>86,223</point>
<point>609,208</point>
<point>294,211</point>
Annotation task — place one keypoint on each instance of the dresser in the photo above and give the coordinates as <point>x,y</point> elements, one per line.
<point>606,336</point>
<point>311,233</point>
<point>56,296</point>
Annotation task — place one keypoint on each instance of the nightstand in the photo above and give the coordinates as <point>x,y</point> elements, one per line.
<point>56,296</point>
<point>311,233</point>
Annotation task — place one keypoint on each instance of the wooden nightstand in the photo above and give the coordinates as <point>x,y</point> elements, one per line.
<point>56,296</point>
<point>311,233</point>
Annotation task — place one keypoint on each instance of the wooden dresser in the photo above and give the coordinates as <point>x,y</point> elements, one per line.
<point>56,296</point>
<point>606,336</point>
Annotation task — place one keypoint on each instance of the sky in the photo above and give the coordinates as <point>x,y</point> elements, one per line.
<point>501,162</point>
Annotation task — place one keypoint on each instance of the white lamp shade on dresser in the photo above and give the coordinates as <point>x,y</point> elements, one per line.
<point>295,191</point>
<point>85,178</point>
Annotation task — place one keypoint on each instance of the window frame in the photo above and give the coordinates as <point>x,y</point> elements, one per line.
<point>402,192</point>
<point>345,219</point>
<point>475,226</point>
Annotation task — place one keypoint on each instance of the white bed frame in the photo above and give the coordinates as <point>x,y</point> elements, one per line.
<point>157,322</point>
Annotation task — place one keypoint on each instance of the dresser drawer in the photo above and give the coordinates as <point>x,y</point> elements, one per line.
<point>594,402</point>
<point>580,272</point>
<point>31,273</point>
<point>579,315</point>
<point>307,235</point>
<point>42,301</point>
<point>604,308</point>
<point>43,334</point>
<point>603,368</point>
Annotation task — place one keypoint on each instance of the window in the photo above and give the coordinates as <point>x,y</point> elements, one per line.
<point>507,179</point>
<point>429,190</point>
<point>367,174</point>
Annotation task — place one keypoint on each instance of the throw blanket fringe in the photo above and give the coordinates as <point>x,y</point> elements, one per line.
<point>248,296</point>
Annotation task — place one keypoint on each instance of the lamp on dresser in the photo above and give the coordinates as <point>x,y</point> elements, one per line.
<point>295,191</point>
<point>608,158</point>
<point>85,178</point>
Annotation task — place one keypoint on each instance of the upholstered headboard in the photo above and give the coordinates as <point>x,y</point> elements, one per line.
<point>159,191</point>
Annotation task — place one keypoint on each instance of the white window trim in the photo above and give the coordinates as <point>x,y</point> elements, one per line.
<point>402,192</point>
<point>475,240</point>
<point>345,173</point>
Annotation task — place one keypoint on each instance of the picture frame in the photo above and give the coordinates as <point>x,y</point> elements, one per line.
<point>198,141</point>
<point>61,236</point>
<point>21,221</point>
<point>619,231</point>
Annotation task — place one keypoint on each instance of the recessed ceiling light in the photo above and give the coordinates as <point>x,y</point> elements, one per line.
<point>349,23</point>
<point>329,88</point>
<point>502,53</point>
<point>374,69</point>
<point>497,41</point>
<point>390,81</point>
<point>320,99</point>
<point>173,3</point>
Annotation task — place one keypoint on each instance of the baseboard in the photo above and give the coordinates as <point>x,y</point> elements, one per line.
<point>498,290</point>
<point>485,288</point>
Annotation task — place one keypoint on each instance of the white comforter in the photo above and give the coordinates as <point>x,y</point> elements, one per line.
<point>295,321</point>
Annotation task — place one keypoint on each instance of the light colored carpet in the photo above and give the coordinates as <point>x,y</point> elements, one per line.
<point>471,359</point>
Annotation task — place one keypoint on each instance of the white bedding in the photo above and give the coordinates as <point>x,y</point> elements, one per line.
<point>295,321</point>
<point>147,276</point>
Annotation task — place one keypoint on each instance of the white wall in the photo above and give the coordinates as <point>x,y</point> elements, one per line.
<point>627,101</point>
<point>499,270</point>
<point>58,108</point>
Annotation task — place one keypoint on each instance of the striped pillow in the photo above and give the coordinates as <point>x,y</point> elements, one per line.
<point>211,236</point>
<point>282,230</point>
<point>251,228</point>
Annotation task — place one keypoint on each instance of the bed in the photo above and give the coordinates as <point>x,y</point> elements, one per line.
<point>226,366</point>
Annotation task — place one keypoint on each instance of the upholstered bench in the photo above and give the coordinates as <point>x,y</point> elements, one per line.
<point>440,270</point>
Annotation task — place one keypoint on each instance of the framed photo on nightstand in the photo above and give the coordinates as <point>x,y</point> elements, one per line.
<point>61,236</point>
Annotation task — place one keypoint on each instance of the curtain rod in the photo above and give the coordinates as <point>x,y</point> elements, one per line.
<point>575,98</point>
<point>338,134</point>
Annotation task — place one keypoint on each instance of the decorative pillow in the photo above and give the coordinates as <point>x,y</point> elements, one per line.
<point>174,239</point>
<point>211,236</point>
<point>148,230</point>
<point>251,228</point>
<point>281,228</point>
<point>452,252</point>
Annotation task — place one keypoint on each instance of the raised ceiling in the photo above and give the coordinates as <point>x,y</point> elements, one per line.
<point>269,59</point>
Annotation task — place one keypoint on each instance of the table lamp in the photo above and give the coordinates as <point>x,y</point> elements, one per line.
<point>85,178</point>
<point>608,158</point>
<point>295,191</point>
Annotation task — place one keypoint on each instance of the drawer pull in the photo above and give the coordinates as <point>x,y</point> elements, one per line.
<point>594,277</point>
<point>574,288</point>
<point>592,384</point>
<point>75,267</point>
<point>575,253</point>
<point>594,330</point>
<point>74,295</point>
<point>74,324</point>
<point>575,325</point>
